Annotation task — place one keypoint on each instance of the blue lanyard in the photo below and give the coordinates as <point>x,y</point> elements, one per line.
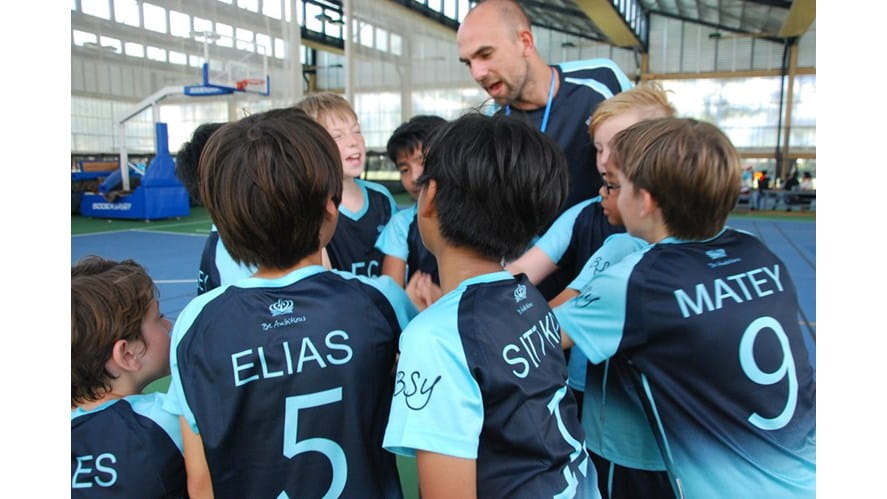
<point>547,104</point>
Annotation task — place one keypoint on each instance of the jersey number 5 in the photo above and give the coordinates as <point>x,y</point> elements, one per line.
<point>787,370</point>
<point>292,446</point>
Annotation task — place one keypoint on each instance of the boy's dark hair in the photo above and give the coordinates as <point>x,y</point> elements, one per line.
<point>189,155</point>
<point>411,134</point>
<point>265,181</point>
<point>689,167</point>
<point>109,300</point>
<point>499,181</point>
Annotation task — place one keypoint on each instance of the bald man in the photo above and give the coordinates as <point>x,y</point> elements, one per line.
<point>497,45</point>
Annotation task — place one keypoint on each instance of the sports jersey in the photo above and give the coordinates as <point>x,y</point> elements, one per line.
<point>127,447</point>
<point>353,247</point>
<point>583,85</point>
<point>217,268</point>
<point>288,383</point>
<point>571,240</point>
<point>613,419</point>
<point>481,376</point>
<point>712,329</point>
<point>401,239</point>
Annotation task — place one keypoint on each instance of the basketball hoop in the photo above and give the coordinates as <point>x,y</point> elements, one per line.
<point>242,84</point>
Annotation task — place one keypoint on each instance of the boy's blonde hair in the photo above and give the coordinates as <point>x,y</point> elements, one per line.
<point>321,106</point>
<point>647,98</point>
<point>689,167</point>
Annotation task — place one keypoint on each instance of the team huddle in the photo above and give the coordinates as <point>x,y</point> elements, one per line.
<point>516,334</point>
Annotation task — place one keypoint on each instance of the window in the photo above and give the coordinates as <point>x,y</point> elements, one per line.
<point>271,8</point>
<point>202,25</point>
<point>178,58</point>
<point>381,39</point>
<point>279,48</point>
<point>179,24</point>
<point>245,40</point>
<point>106,41</point>
<point>98,8</point>
<point>155,17</point>
<point>250,5</point>
<point>127,12</point>
<point>227,35</point>
<point>134,49</point>
<point>196,61</point>
<point>82,37</point>
<point>396,44</point>
<point>156,54</point>
<point>263,41</point>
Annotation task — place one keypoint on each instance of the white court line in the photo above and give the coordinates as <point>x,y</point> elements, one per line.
<point>164,225</point>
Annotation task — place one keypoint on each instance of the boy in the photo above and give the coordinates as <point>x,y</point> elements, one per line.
<point>280,393</point>
<point>579,232</point>
<point>366,206</point>
<point>704,319</point>
<point>480,398</point>
<point>122,443</point>
<point>216,266</point>
<point>400,242</point>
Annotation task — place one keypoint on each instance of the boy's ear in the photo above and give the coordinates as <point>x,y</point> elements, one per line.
<point>425,205</point>
<point>124,357</point>
<point>648,204</point>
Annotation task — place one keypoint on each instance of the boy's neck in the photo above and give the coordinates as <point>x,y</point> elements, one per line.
<point>456,264</point>
<point>115,393</point>
<point>352,195</point>
<point>272,273</point>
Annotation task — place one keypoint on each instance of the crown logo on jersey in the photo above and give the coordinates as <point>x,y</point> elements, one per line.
<point>520,293</point>
<point>717,253</point>
<point>281,307</point>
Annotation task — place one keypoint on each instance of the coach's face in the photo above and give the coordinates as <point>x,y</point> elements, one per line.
<point>495,54</point>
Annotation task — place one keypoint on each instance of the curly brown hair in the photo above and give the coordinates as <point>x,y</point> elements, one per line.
<point>109,300</point>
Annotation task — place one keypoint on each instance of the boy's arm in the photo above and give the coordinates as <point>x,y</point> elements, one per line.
<point>199,483</point>
<point>442,476</point>
<point>395,268</point>
<point>564,295</point>
<point>535,263</point>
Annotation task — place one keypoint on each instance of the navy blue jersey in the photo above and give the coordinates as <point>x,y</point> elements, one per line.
<point>288,383</point>
<point>571,240</point>
<point>401,239</point>
<point>127,448</point>
<point>217,268</point>
<point>712,329</point>
<point>481,376</point>
<point>353,247</point>
<point>583,85</point>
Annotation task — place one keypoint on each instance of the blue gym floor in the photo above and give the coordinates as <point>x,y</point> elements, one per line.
<point>172,259</point>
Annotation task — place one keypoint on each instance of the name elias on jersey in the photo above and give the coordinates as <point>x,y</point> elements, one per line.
<point>94,470</point>
<point>529,350</point>
<point>737,288</point>
<point>284,359</point>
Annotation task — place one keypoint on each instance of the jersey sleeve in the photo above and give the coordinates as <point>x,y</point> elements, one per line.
<point>556,239</point>
<point>175,401</point>
<point>150,405</point>
<point>229,270</point>
<point>393,240</point>
<point>403,307</point>
<point>595,319</point>
<point>615,248</point>
<point>437,405</point>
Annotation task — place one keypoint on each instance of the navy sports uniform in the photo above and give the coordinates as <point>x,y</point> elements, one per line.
<point>217,268</point>
<point>401,239</point>
<point>712,329</point>
<point>481,376</point>
<point>125,448</point>
<point>288,383</point>
<point>583,85</point>
<point>353,246</point>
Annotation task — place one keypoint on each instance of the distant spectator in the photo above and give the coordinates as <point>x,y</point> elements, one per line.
<point>807,182</point>
<point>792,182</point>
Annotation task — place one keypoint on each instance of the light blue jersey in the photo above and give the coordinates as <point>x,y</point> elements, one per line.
<point>708,331</point>
<point>481,376</point>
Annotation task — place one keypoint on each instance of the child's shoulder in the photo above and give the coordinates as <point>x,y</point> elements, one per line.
<point>374,186</point>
